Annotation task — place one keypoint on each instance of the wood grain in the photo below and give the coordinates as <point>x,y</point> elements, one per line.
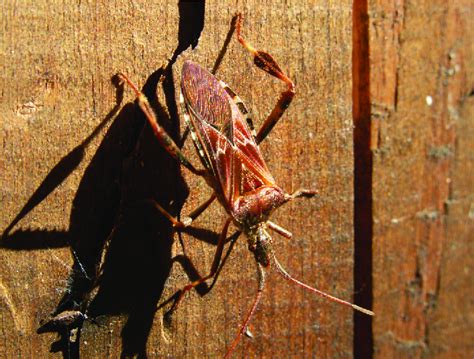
<point>79,161</point>
<point>421,92</point>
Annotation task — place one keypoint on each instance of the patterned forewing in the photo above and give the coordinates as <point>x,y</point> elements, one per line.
<point>204,95</point>
<point>209,108</point>
<point>221,134</point>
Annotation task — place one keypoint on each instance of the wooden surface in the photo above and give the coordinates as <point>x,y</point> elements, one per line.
<point>78,166</point>
<point>421,85</point>
<point>77,161</point>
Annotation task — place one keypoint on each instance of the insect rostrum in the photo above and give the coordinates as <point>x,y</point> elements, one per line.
<point>233,164</point>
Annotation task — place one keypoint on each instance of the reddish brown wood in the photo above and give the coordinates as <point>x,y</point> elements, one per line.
<point>421,104</point>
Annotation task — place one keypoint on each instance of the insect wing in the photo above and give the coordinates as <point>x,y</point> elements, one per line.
<point>204,95</point>
<point>209,108</point>
<point>254,168</point>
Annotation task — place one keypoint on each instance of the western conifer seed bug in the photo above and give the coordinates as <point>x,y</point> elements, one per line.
<point>234,167</point>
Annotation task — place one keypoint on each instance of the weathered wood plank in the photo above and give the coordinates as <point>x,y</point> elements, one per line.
<point>421,83</point>
<point>58,59</point>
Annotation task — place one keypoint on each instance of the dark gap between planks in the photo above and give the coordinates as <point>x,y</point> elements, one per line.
<point>363,166</point>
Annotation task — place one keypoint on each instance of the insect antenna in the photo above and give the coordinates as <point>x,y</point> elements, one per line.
<point>289,278</point>
<point>258,296</point>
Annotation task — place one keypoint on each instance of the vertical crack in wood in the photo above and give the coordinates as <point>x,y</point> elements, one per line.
<point>363,222</point>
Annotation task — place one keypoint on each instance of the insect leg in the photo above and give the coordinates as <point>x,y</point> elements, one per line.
<point>165,140</point>
<point>188,219</point>
<point>197,212</point>
<point>175,223</point>
<point>215,265</point>
<point>280,230</point>
<point>232,239</point>
<point>265,61</point>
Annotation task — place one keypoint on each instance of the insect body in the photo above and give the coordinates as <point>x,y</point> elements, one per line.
<point>235,168</point>
<point>233,165</point>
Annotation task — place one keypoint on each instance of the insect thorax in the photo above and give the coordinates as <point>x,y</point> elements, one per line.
<point>254,207</point>
<point>251,212</point>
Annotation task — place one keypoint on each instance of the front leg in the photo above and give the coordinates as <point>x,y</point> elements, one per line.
<point>265,61</point>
